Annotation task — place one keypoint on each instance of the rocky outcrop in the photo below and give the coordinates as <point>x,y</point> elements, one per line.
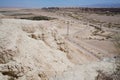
<point>28,50</point>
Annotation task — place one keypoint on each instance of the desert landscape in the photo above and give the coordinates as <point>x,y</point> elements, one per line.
<point>60,43</point>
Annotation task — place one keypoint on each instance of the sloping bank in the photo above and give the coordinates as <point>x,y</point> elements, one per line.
<point>31,51</point>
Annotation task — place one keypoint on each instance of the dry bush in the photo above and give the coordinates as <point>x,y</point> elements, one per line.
<point>109,76</point>
<point>103,76</point>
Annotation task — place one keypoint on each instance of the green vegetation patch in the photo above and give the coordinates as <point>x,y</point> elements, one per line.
<point>38,18</point>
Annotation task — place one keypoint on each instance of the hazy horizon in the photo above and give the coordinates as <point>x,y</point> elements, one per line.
<point>58,3</point>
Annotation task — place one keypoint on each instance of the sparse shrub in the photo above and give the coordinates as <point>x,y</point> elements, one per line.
<point>109,25</point>
<point>116,25</point>
<point>90,38</point>
<point>109,76</point>
<point>102,39</point>
<point>102,31</point>
<point>103,76</point>
<point>107,37</point>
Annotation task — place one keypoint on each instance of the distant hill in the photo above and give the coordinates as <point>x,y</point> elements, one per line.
<point>111,5</point>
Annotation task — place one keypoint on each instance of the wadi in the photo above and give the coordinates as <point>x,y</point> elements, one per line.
<point>60,44</point>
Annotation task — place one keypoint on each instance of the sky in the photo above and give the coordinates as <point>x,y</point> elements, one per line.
<point>53,3</point>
